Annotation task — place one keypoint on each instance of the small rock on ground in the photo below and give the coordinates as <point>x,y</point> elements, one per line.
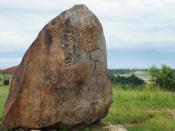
<point>110,128</point>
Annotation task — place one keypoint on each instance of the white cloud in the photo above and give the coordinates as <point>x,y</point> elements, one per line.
<point>126,23</point>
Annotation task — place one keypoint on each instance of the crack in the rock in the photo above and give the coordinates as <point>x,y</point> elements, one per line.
<point>94,68</point>
<point>95,50</point>
<point>93,60</point>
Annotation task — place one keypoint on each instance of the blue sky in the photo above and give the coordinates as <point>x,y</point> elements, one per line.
<point>139,33</point>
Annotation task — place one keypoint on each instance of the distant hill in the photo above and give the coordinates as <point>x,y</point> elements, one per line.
<point>11,70</point>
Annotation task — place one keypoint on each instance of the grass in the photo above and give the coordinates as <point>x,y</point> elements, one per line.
<point>137,109</point>
<point>3,97</point>
<point>142,110</point>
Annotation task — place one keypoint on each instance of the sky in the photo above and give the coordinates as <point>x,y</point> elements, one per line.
<point>138,33</point>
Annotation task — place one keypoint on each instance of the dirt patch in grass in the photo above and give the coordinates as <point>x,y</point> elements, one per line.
<point>136,122</point>
<point>169,112</point>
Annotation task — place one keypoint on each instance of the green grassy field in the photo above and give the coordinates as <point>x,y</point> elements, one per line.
<point>142,110</point>
<point>137,110</point>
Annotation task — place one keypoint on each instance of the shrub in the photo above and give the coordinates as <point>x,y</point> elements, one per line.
<point>163,78</point>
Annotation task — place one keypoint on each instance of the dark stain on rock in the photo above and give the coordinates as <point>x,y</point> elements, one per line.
<point>48,38</point>
<point>65,40</point>
<point>79,86</point>
<point>67,26</point>
<point>80,82</point>
<point>62,97</point>
<point>53,22</point>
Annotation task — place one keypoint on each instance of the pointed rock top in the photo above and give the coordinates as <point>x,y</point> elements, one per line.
<point>80,6</point>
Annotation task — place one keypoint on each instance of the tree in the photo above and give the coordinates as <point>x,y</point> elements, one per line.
<point>164,77</point>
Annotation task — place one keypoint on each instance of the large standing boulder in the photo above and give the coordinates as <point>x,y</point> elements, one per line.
<point>62,80</point>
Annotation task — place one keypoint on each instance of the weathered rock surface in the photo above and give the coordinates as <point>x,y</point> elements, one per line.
<point>62,79</point>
